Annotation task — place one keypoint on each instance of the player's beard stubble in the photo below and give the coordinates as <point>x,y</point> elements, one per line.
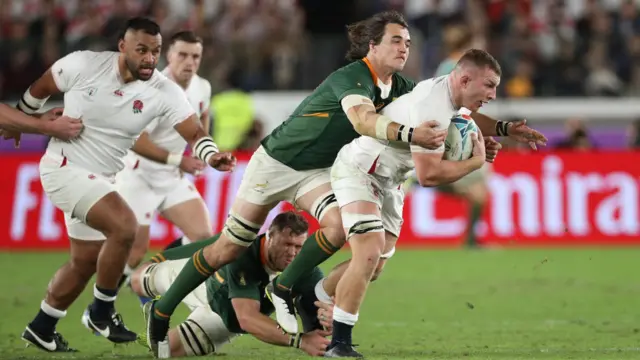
<point>136,70</point>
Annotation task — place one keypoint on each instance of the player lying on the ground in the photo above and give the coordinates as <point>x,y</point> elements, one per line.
<point>233,300</point>
<point>49,123</point>
<point>117,95</point>
<point>368,174</point>
<point>148,186</point>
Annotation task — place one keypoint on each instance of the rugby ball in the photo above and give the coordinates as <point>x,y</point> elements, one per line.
<point>458,144</point>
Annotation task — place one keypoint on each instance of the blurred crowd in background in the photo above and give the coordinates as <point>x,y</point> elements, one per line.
<point>547,48</point>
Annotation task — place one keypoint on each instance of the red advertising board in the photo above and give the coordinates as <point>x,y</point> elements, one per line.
<point>540,199</point>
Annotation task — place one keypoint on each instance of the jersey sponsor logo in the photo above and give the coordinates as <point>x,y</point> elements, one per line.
<point>91,176</point>
<point>118,93</point>
<point>137,106</point>
<point>243,282</point>
<point>91,91</point>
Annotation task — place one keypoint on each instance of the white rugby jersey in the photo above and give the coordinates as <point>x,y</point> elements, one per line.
<point>113,113</point>
<point>429,100</point>
<point>199,94</point>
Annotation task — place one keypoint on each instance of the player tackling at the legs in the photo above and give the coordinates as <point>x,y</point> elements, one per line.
<point>294,161</point>
<point>117,95</point>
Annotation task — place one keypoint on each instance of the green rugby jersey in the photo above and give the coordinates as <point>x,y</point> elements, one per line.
<point>318,128</point>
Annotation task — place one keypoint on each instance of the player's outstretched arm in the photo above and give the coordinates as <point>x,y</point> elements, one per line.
<point>516,130</point>
<point>366,121</point>
<point>146,148</point>
<point>13,122</point>
<point>204,148</point>
<point>433,170</point>
<point>266,329</point>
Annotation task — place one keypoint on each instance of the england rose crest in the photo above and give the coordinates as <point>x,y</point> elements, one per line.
<point>137,107</point>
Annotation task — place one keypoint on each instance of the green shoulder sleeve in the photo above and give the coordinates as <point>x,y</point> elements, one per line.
<point>405,85</point>
<point>353,79</point>
<point>242,281</point>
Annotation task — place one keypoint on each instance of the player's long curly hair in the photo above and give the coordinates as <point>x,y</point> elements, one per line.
<point>370,30</point>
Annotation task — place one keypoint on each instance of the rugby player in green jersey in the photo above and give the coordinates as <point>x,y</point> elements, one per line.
<point>233,301</point>
<point>294,161</point>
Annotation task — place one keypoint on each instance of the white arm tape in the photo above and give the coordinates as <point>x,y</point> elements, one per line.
<point>174,159</point>
<point>389,254</point>
<point>29,104</point>
<point>382,123</point>
<point>350,101</point>
<point>205,148</point>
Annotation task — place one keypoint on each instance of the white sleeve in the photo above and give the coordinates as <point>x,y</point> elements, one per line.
<point>176,105</point>
<point>67,71</point>
<point>207,96</point>
<point>418,116</point>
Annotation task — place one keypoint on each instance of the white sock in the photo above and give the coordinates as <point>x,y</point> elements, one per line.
<point>100,296</point>
<point>51,311</point>
<point>321,293</point>
<point>344,317</point>
<point>128,271</point>
<point>185,240</point>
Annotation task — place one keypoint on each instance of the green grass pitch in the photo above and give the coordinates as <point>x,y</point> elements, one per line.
<point>428,304</point>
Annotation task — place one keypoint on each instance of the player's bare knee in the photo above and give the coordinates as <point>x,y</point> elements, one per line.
<point>335,235</point>
<point>84,267</point>
<point>222,252</point>
<point>124,231</point>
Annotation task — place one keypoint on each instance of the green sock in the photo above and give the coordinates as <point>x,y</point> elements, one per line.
<point>184,251</point>
<point>194,273</point>
<point>315,250</point>
<point>474,216</point>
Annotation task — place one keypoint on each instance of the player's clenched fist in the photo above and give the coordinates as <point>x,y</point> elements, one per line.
<point>428,136</point>
<point>491,147</point>
<point>223,161</point>
<point>315,342</point>
<point>191,165</point>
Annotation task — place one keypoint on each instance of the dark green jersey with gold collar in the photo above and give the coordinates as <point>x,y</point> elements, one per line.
<point>318,128</point>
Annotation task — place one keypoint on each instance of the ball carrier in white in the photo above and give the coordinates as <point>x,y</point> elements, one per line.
<point>368,173</point>
<point>117,95</point>
<point>148,186</point>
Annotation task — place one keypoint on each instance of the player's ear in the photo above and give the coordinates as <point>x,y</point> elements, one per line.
<point>121,45</point>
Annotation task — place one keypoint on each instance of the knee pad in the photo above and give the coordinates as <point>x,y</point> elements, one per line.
<point>240,231</point>
<point>146,281</point>
<point>322,204</point>
<point>361,223</point>
<point>194,339</point>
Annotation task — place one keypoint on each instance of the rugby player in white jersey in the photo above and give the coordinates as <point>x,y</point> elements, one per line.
<point>117,95</point>
<point>368,173</point>
<point>148,186</point>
